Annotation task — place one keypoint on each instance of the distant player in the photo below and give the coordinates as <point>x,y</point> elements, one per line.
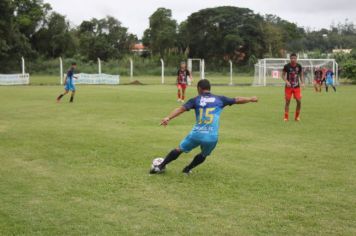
<point>329,80</point>
<point>208,108</point>
<point>68,83</point>
<point>183,75</point>
<point>318,77</point>
<point>323,78</point>
<point>294,77</point>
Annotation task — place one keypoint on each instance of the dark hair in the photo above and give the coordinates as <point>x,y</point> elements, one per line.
<point>293,54</point>
<point>74,64</point>
<point>204,84</point>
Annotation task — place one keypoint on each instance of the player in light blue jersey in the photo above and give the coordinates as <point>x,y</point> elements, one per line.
<point>69,84</point>
<point>329,80</point>
<point>205,133</point>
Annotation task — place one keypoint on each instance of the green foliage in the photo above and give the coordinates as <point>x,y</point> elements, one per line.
<point>225,33</point>
<point>105,38</point>
<point>349,69</point>
<point>162,33</point>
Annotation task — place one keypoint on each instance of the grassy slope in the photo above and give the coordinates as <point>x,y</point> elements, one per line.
<point>69,169</point>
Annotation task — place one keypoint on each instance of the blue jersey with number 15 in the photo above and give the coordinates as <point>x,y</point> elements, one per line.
<point>208,108</point>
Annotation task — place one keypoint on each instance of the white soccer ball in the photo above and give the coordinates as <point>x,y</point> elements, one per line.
<point>157,161</point>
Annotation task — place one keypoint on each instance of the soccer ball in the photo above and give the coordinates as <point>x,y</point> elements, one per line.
<point>157,162</point>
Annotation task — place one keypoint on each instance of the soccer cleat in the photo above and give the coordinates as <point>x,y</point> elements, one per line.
<point>182,101</point>
<point>297,119</point>
<point>156,170</point>
<point>285,119</point>
<point>179,100</point>
<point>187,171</point>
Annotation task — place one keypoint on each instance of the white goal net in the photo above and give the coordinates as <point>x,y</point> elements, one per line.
<point>97,79</point>
<point>268,72</point>
<point>14,79</point>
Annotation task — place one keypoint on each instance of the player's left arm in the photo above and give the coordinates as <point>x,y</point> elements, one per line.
<point>176,112</point>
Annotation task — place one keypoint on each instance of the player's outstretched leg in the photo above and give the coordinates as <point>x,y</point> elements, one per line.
<point>334,88</point>
<point>171,156</point>
<point>60,96</point>
<point>198,159</point>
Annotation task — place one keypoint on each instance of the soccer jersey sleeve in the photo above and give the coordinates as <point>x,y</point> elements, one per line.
<point>227,101</point>
<point>190,104</point>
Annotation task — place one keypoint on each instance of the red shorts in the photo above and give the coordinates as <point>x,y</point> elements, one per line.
<point>181,86</point>
<point>317,81</point>
<point>296,92</point>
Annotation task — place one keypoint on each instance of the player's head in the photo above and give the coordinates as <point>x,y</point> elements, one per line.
<point>203,86</point>
<point>74,65</point>
<point>293,58</point>
<point>183,65</point>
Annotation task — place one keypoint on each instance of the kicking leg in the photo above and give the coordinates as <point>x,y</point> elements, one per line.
<point>60,96</point>
<point>171,156</point>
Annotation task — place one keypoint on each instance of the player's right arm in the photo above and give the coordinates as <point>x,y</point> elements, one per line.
<point>176,112</point>
<point>284,76</point>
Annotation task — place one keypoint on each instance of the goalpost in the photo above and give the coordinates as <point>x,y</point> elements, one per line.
<point>84,78</point>
<point>201,68</point>
<point>16,79</point>
<point>268,71</point>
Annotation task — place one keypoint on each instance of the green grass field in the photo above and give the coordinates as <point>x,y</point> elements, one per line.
<point>82,168</point>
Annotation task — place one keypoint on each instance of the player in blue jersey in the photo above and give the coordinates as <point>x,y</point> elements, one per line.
<point>208,108</point>
<point>68,83</point>
<point>329,75</point>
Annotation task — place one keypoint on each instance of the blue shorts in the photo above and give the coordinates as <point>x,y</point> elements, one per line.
<point>191,142</point>
<point>329,82</point>
<point>69,87</point>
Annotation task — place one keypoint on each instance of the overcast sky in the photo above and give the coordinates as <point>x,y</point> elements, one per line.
<point>134,14</point>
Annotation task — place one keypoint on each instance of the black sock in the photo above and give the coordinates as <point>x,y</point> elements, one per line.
<point>173,155</point>
<point>327,89</point>
<point>71,98</point>
<point>60,96</point>
<point>334,88</point>
<point>198,159</point>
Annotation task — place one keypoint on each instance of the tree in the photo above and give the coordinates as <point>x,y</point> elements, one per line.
<point>162,32</point>
<point>54,39</point>
<point>105,38</point>
<point>228,33</point>
<point>13,43</point>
